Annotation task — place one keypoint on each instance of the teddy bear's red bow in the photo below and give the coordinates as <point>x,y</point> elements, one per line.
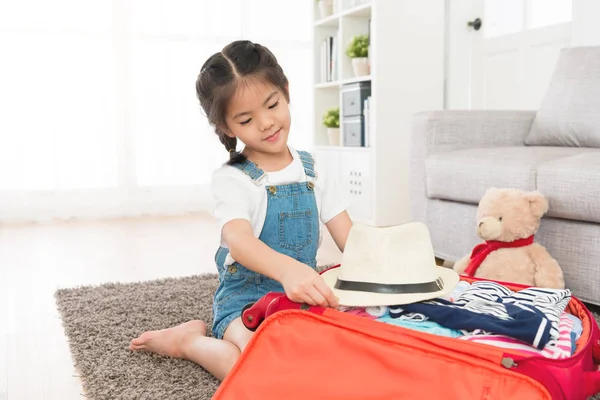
<point>481,251</point>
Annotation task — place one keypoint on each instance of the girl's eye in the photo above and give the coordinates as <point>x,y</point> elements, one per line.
<point>274,105</point>
<point>246,121</point>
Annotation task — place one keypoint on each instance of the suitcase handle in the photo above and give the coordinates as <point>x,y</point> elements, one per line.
<point>253,314</point>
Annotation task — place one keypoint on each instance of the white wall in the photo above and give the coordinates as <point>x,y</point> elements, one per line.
<point>99,111</point>
<point>586,27</point>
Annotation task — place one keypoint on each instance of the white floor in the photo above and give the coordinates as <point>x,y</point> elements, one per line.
<point>35,260</point>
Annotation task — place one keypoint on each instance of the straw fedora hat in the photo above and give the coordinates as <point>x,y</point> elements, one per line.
<point>389,266</point>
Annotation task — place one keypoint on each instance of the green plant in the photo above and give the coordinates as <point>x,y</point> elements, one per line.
<point>358,47</point>
<point>331,119</point>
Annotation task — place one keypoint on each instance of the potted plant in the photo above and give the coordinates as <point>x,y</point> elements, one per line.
<point>325,7</point>
<point>358,51</point>
<point>331,119</point>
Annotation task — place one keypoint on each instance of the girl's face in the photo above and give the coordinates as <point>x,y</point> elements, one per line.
<point>259,116</point>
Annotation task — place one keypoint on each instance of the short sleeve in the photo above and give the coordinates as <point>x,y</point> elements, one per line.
<point>333,199</point>
<point>231,197</point>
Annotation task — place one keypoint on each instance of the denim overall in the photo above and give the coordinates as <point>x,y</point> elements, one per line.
<point>291,227</point>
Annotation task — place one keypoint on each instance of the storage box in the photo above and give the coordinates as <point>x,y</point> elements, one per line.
<point>353,131</point>
<point>353,98</point>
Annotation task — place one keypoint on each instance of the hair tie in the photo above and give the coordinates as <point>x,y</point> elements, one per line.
<point>231,151</point>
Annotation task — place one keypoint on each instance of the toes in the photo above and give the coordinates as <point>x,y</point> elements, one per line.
<point>138,343</point>
<point>140,340</point>
<point>137,347</point>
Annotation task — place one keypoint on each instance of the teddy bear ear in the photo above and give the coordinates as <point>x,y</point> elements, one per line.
<point>538,203</point>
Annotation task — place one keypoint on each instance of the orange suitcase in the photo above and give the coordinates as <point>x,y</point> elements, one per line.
<point>302,352</point>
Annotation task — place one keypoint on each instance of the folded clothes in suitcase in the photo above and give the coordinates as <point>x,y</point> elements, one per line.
<point>305,352</point>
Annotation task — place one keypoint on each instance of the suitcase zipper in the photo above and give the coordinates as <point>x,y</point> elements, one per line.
<point>536,372</point>
<point>508,362</point>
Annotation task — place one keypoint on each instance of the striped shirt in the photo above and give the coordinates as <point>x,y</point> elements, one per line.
<point>555,349</point>
<point>531,315</point>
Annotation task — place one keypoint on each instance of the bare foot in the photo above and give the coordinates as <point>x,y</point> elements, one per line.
<point>168,342</point>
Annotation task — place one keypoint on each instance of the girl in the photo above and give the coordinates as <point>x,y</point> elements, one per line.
<point>269,202</point>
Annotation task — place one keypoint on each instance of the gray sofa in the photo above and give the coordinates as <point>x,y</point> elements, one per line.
<point>457,155</point>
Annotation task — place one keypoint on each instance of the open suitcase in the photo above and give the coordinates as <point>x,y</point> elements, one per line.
<point>305,352</point>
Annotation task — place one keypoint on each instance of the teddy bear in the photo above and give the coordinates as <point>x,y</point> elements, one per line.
<point>507,220</point>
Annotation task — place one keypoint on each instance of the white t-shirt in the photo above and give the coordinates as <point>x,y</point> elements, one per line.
<point>237,196</point>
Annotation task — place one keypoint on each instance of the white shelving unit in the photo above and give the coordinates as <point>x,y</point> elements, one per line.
<point>406,75</point>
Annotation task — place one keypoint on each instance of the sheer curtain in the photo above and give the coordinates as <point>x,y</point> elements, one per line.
<point>99,111</point>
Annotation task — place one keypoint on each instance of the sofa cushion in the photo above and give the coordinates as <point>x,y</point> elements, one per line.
<point>572,186</point>
<point>465,175</point>
<point>569,114</point>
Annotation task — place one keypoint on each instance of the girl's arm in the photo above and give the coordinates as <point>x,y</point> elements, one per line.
<point>300,281</point>
<point>339,228</point>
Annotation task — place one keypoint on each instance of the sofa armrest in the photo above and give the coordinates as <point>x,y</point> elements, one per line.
<point>436,132</point>
<point>442,131</point>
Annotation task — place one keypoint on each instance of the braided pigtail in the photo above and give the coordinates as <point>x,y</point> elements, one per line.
<point>230,144</point>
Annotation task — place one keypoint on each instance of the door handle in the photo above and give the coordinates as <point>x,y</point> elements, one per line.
<point>476,24</point>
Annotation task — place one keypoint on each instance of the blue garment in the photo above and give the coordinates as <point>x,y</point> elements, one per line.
<point>423,326</point>
<point>291,227</point>
<point>530,315</point>
<point>530,327</point>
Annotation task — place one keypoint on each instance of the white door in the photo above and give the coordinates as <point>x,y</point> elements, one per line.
<point>502,52</point>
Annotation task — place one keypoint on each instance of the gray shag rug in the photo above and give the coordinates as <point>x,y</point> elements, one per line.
<point>100,322</point>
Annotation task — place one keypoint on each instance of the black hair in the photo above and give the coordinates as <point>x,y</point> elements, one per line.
<point>219,77</point>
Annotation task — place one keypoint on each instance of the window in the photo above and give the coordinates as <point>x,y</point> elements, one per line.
<point>101,94</point>
<point>502,17</point>
<point>549,12</point>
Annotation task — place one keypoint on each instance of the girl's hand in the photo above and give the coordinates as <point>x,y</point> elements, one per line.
<point>302,284</point>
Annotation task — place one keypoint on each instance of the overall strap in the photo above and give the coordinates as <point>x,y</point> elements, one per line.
<point>308,162</point>
<point>250,169</point>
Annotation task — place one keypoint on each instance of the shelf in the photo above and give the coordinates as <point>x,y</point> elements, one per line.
<point>326,85</point>
<point>390,24</point>
<point>363,10</point>
<point>357,79</point>
<point>332,21</point>
<point>335,84</point>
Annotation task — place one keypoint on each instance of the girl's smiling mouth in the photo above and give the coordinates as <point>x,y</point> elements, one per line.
<point>273,137</point>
